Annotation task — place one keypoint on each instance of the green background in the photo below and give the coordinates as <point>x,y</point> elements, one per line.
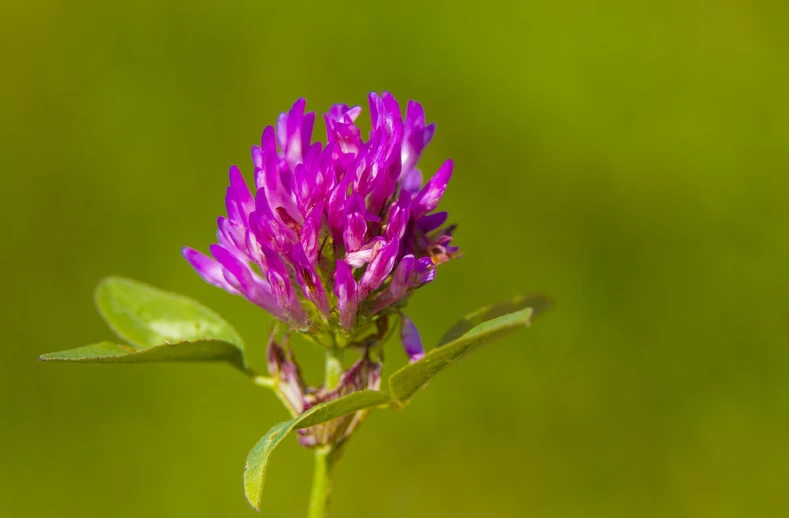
<point>628,158</point>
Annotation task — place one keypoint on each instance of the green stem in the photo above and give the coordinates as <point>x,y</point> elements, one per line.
<point>321,483</point>
<point>325,456</point>
<point>334,368</point>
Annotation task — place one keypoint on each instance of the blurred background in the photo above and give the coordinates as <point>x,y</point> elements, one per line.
<point>629,158</point>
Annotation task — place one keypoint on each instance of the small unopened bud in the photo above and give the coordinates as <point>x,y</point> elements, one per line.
<point>283,368</point>
<point>365,374</point>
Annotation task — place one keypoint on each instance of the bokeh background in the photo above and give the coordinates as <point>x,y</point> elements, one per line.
<point>629,158</point>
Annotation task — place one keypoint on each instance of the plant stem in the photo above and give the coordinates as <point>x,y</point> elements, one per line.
<point>325,456</point>
<point>321,483</point>
<point>333,367</point>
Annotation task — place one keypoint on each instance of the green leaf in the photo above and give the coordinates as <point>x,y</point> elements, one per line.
<point>159,325</point>
<point>345,405</point>
<point>146,316</point>
<point>538,304</point>
<point>257,460</point>
<point>108,352</point>
<point>404,382</point>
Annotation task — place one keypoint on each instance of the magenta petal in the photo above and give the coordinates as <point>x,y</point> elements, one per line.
<point>385,183</point>
<point>306,177</point>
<point>355,229</point>
<point>431,193</point>
<point>236,272</point>
<point>282,289</point>
<point>310,233</point>
<point>354,232</point>
<point>414,116</point>
<point>411,181</point>
<point>292,147</point>
<point>231,235</point>
<point>210,270</point>
<point>279,195</point>
<point>353,113</point>
<point>427,135</point>
<point>379,268</point>
<point>416,135</point>
<point>270,229</point>
<point>337,111</point>
<point>392,108</point>
<point>347,292</point>
<point>240,189</point>
<point>402,280</point>
<point>402,276</point>
<point>260,155</point>
<point>336,207</point>
<point>431,222</point>
<point>365,254</point>
<point>254,246</point>
<point>234,211</point>
<point>326,176</point>
<point>398,217</point>
<point>340,127</point>
<point>258,158</point>
<point>424,272</point>
<point>377,109</point>
<point>369,162</point>
<point>412,342</point>
<point>282,131</point>
<point>307,123</point>
<point>268,141</point>
<point>310,282</point>
<point>243,279</point>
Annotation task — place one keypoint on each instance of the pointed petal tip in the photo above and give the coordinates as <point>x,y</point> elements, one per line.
<point>195,257</point>
<point>446,168</point>
<point>412,342</point>
<point>299,105</point>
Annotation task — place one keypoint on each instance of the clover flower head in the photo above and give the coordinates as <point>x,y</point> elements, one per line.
<point>335,236</point>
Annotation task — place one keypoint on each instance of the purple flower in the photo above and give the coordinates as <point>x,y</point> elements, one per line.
<point>335,236</point>
<point>412,342</point>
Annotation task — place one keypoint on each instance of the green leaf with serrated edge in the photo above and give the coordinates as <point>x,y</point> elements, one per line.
<point>257,460</point>
<point>404,382</point>
<point>538,304</point>
<point>159,325</point>
<point>108,352</point>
